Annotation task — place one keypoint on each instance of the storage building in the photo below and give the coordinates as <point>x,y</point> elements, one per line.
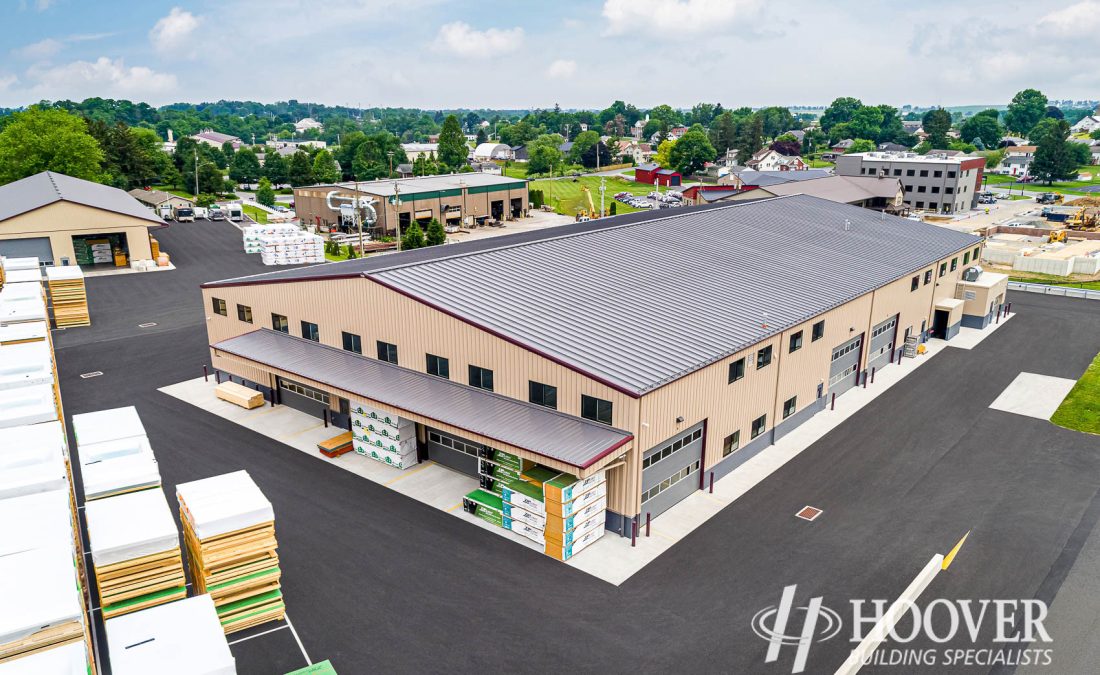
<point>587,350</point>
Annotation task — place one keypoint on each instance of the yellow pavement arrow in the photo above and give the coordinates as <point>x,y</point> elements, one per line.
<point>950,557</point>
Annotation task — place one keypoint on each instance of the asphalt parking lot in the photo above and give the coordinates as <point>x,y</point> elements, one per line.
<point>377,582</point>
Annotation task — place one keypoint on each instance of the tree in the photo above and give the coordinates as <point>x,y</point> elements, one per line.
<point>1024,112</point>
<point>275,167</point>
<point>265,194</point>
<point>664,150</point>
<point>436,235</point>
<point>1054,112</point>
<point>984,128</point>
<point>300,171</point>
<point>583,145</point>
<point>39,140</point>
<point>750,138</point>
<point>861,145</point>
<point>541,158</point>
<point>205,200</point>
<point>413,237</point>
<point>787,144</point>
<point>228,151</point>
<point>936,123</point>
<point>665,114</point>
<point>723,131</point>
<point>453,150</point>
<point>245,167</point>
<point>691,153</point>
<point>325,168</point>
<point>993,158</point>
<point>775,120</point>
<point>481,136</point>
<point>840,110</point>
<point>1095,135</point>
<point>1080,153</point>
<point>210,178</point>
<point>1053,159</point>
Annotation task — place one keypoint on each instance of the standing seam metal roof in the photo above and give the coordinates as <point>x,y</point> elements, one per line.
<point>47,187</point>
<point>573,440</point>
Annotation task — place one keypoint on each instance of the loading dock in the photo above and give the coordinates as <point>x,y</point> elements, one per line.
<point>31,247</point>
<point>670,471</point>
<point>883,339</point>
<point>844,368</point>
<point>451,451</point>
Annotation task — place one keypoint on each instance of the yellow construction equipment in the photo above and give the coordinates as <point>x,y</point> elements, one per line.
<point>1086,218</point>
<point>1057,236</point>
<point>591,205</point>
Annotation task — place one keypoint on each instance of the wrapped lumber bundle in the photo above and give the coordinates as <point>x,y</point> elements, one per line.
<point>33,459</point>
<point>27,405</point>
<point>15,264</point>
<point>43,605</point>
<point>238,394</point>
<point>383,436</point>
<point>179,638</point>
<point>68,296</point>
<point>115,456</point>
<point>229,532</point>
<point>19,303</point>
<point>24,365</point>
<point>22,333</point>
<point>68,659</point>
<point>135,552</point>
<point>37,520</point>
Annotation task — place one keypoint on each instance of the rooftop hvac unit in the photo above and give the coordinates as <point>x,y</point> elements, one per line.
<point>972,273</point>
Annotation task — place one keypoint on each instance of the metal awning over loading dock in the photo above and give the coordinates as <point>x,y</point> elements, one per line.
<point>554,439</point>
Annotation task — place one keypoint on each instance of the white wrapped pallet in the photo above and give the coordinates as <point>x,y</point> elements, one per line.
<point>39,520</point>
<point>68,659</point>
<point>119,475</point>
<point>107,425</point>
<point>42,601</point>
<point>130,526</point>
<point>24,365</point>
<point>179,638</point>
<point>30,331</point>
<point>224,504</point>
<point>33,276</point>
<point>27,405</point>
<point>24,309</point>
<point>16,292</point>
<point>90,453</point>
<point>32,459</point>
<point>15,264</point>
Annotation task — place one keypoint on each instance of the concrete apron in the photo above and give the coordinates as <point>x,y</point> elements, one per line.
<point>612,558</point>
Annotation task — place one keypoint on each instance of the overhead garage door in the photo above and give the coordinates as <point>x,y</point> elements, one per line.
<point>883,338</point>
<point>670,471</point>
<point>845,365</point>
<point>452,451</point>
<point>35,247</point>
<point>301,397</point>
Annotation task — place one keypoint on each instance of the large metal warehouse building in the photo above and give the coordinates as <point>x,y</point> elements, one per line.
<point>658,348</point>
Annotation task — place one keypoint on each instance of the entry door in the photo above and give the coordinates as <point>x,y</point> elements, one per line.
<point>34,247</point>
<point>844,369</point>
<point>670,471</point>
<point>939,323</point>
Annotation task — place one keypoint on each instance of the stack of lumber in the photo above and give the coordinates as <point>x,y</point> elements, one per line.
<point>576,513</point>
<point>22,302</point>
<point>337,445</point>
<point>27,405</point>
<point>383,436</point>
<point>42,603</point>
<point>25,365</point>
<point>114,452</point>
<point>229,532</point>
<point>23,276</point>
<point>21,333</point>
<point>135,552</point>
<point>68,296</point>
<point>68,659</point>
<point>154,246</point>
<point>180,638</point>
<point>238,394</point>
<point>33,459</point>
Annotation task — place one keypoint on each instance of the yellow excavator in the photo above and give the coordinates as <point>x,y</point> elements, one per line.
<point>1085,219</point>
<point>1057,236</point>
<point>592,212</point>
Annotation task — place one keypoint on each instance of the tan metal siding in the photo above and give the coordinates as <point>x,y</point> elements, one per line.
<point>61,220</point>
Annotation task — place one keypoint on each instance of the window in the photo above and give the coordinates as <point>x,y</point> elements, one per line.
<point>219,306</point>
<point>789,406</point>
<point>670,481</point>
<point>310,332</point>
<point>943,269</point>
<point>937,174</point>
<point>439,366</point>
<point>935,189</point>
<point>910,172</point>
<point>915,284</point>
<point>933,205</point>
<point>966,257</point>
<point>954,264</point>
<point>758,425</point>
<point>976,252</point>
<point>595,409</point>
<point>818,331</point>
<point>352,342</point>
<point>244,313</point>
<point>737,370</point>
<point>897,172</point>
<point>764,357</point>
<point>951,174</point>
<point>482,378</point>
<point>387,352</point>
<point>922,188</point>
<point>679,443</point>
<point>795,342</point>
<point>454,444</point>
<point>920,205</point>
<point>732,443</point>
<point>542,394</point>
<point>928,277</point>
<point>924,173</point>
<point>862,171</point>
<point>908,188</point>
<point>949,190</point>
<point>302,390</point>
<point>279,323</point>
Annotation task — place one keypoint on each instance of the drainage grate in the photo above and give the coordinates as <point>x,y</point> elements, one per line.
<point>95,373</point>
<point>809,513</point>
<point>147,325</point>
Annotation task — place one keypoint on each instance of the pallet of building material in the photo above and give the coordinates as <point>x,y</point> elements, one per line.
<point>15,264</point>
<point>135,549</point>
<point>37,520</point>
<point>41,599</point>
<point>567,551</point>
<point>322,668</point>
<point>28,276</point>
<point>229,534</point>
<point>67,659</point>
<point>524,495</point>
<point>107,425</point>
<point>564,487</point>
<point>238,394</point>
<point>578,503</point>
<point>68,296</point>
<point>154,246</point>
<point>27,405</point>
<point>178,638</point>
<point>33,459</point>
<point>337,445</point>
<point>25,365</point>
<point>31,308</point>
<point>119,475</point>
<point>17,292</point>
<point>23,333</point>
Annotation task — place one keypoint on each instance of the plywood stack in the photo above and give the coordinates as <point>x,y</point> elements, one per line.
<point>576,513</point>
<point>68,297</point>
<point>27,405</point>
<point>41,599</point>
<point>114,453</point>
<point>229,533</point>
<point>238,394</point>
<point>33,459</point>
<point>180,638</point>
<point>383,436</point>
<point>22,302</point>
<point>154,246</point>
<point>24,365</point>
<point>26,332</point>
<point>135,552</point>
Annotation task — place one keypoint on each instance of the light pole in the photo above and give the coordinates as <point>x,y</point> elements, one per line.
<point>358,217</point>
<point>389,153</point>
<point>196,174</point>
<point>603,189</point>
<point>397,210</point>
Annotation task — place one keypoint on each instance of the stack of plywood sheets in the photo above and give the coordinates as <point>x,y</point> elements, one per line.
<point>22,333</point>
<point>28,364</point>
<point>383,436</point>
<point>229,532</point>
<point>67,659</point>
<point>576,513</point>
<point>180,638</point>
<point>135,552</point>
<point>238,394</point>
<point>33,459</point>
<point>27,405</point>
<point>68,296</point>
<point>115,456</point>
<point>41,600</point>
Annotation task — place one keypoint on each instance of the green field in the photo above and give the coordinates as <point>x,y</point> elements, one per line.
<point>255,213</point>
<point>174,191</point>
<point>1051,280</point>
<point>1065,186</point>
<point>516,170</point>
<point>567,198</point>
<point>1081,409</point>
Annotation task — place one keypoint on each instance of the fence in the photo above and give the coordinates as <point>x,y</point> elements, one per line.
<point>1064,291</point>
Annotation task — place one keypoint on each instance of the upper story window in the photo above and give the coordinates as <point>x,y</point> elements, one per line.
<point>387,352</point>
<point>310,331</point>
<point>542,394</point>
<point>439,366</point>
<point>219,306</point>
<point>595,409</point>
<point>352,342</point>
<point>482,378</point>
<point>279,323</point>
<point>737,370</point>
<point>244,313</point>
<point>795,342</point>
<point>764,357</point>
<point>818,331</point>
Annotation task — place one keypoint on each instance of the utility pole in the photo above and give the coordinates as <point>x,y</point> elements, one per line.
<point>603,189</point>
<point>397,209</point>
<point>196,174</point>
<point>358,217</point>
<point>389,153</point>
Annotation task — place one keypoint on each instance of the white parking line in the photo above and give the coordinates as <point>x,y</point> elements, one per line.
<point>298,640</point>
<point>259,634</point>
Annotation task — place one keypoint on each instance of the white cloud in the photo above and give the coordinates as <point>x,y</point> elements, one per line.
<point>1076,20</point>
<point>6,81</point>
<point>562,69</point>
<point>102,77</point>
<point>37,51</point>
<point>680,17</point>
<point>463,40</point>
<point>173,33</point>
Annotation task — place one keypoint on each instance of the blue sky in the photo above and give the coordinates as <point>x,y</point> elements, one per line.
<point>578,53</point>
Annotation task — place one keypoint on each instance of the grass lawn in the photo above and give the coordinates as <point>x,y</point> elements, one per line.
<point>336,258</point>
<point>1081,409</point>
<point>815,163</point>
<point>255,213</point>
<point>174,191</point>
<point>516,170</point>
<point>1067,187</point>
<point>1051,280</point>
<point>567,198</point>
